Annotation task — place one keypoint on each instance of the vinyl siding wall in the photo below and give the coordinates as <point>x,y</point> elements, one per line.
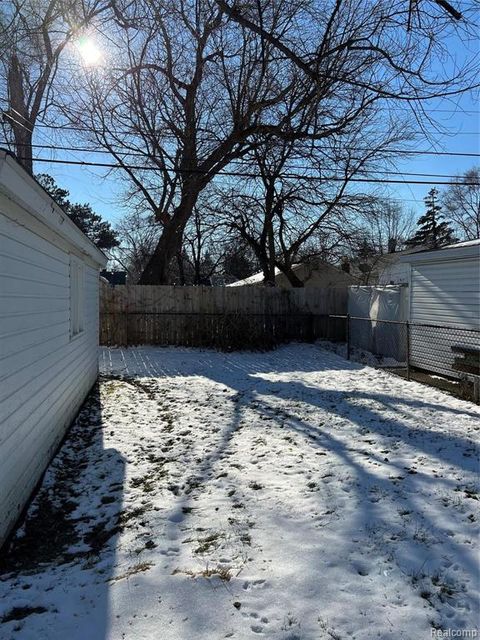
<point>323,277</point>
<point>44,374</point>
<point>393,273</point>
<point>443,293</point>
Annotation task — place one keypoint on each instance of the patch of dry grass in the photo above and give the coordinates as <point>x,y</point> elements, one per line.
<point>131,571</point>
<point>224,573</point>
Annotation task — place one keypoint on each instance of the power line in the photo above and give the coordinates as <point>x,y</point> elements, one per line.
<point>239,162</point>
<point>433,110</point>
<point>459,110</point>
<point>467,154</point>
<point>169,135</point>
<point>108,201</point>
<point>109,165</point>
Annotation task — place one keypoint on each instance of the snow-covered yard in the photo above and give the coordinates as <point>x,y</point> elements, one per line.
<point>289,495</point>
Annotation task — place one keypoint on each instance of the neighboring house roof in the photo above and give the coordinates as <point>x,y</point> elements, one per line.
<point>20,187</point>
<point>467,249</point>
<point>257,278</point>
<point>380,264</point>
<point>315,265</point>
<point>466,243</point>
<point>395,255</point>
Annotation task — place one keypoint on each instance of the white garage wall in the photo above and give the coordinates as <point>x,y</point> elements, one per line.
<point>445,293</point>
<point>44,373</point>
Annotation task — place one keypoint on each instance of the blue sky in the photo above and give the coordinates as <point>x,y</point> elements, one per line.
<point>458,116</point>
<point>104,192</point>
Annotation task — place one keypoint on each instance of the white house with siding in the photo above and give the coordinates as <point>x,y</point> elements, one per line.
<point>444,291</point>
<point>316,273</point>
<point>49,279</point>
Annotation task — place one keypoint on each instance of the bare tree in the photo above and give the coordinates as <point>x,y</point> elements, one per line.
<point>382,41</point>
<point>291,213</point>
<point>195,89</point>
<point>189,93</point>
<point>239,260</point>
<point>386,225</point>
<point>194,86</point>
<point>461,203</point>
<point>34,35</point>
<point>203,245</point>
<point>138,236</point>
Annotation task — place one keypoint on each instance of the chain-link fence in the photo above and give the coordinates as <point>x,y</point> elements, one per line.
<point>416,350</point>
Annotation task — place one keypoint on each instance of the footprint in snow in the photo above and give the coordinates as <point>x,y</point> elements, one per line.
<point>256,627</point>
<point>361,569</point>
<point>171,551</point>
<point>253,584</point>
<point>177,517</point>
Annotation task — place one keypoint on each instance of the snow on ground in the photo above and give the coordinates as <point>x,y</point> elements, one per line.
<point>360,355</point>
<point>287,495</point>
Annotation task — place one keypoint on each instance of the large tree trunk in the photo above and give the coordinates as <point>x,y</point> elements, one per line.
<point>292,277</point>
<point>23,147</point>
<point>19,118</point>
<point>197,267</point>
<point>267,238</point>
<point>268,269</point>
<point>157,270</point>
<point>170,243</point>
<point>271,255</point>
<point>181,270</point>
<point>268,274</point>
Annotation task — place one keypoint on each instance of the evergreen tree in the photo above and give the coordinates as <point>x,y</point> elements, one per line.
<point>99,231</point>
<point>433,230</point>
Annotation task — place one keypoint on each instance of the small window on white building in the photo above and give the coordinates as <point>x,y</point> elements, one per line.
<point>77,296</point>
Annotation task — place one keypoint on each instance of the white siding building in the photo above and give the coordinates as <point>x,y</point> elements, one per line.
<point>444,290</point>
<point>316,273</point>
<point>48,331</point>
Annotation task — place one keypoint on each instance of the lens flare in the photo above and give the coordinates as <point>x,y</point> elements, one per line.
<point>89,51</point>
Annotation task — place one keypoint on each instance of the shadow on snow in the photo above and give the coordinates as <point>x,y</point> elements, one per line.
<point>69,531</point>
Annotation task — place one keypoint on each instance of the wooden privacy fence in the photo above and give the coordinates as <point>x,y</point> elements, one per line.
<point>220,317</point>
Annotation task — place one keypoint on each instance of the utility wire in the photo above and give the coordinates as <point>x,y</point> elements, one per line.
<point>387,196</point>
<point>130,133</point>
<point>238,162</point>
<point>109,165</point>
<point>468,154</point>
<point>459,110</point>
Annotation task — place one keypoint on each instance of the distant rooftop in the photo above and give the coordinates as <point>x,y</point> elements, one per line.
<point>468,248</point>
<point>255,279</point>
<point>467,243</point>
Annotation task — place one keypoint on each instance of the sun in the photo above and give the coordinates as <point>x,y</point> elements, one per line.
<point>89,51</point>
